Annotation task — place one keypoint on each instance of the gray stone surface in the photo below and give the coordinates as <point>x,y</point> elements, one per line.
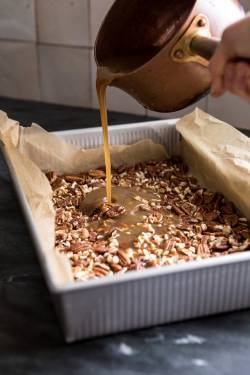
<point>31,341</point>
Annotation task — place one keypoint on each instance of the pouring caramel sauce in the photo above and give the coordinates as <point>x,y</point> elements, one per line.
<point>131,222</point>
<point>106,74</point>
<point>101,87</point>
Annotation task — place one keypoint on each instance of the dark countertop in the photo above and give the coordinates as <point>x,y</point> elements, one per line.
<point>30,338</point>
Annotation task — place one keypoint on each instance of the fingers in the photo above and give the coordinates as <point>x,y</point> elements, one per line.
<point>217,67</point>
<point>237,79</point>
<point>229,78</point>
<point>223,54</point>
<point>225,75</point>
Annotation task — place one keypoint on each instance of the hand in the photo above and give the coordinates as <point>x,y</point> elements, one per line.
<point>228,69</point>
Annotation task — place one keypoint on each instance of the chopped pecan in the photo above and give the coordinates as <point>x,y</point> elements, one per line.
<point>197,199</point>
<point>61,235</point>
<point>92,236</point>
<point>231,220</point>
<point>51,176</point>
<point>193,180</point>
<point>155,217</point>
<point>188,208</point>
<point>77,222</point>
<point>57,183</point>
<point>204,239</point>
<point>168,244</point>
<point>245,233</point>
<point>245,245</point>
<point>116,267</point>
<point>217,201</point>
<point>121,169</point>
<point>84,234</point>
<point>74,178</point>
<point>62,227</point>
<point>228,208</point>
<point>138,264</point>
<point>211,216</point>
<point>97,173</point>
<point>100,247</point>
<point>177,210</point>
<point>151,263</point>
<point>112,210</point>
<point>222,246</point>
<point>151,170</point>
<point>208,197</point>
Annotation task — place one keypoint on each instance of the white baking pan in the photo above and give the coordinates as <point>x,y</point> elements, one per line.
<point>147,297</point>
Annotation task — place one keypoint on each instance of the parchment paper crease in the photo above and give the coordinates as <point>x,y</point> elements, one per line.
<point>216,153</point>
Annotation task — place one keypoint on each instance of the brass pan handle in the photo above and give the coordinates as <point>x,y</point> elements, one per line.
<point>204,46</point>
<point>196,44</point>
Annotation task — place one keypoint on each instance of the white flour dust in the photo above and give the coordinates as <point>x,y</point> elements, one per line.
<point>199,362</point>
<point>190,339</point>
<point>125,349</point>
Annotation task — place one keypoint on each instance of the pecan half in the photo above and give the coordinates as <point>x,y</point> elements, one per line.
<point>73,178</point>
<point>112,210</point>
<point>97,173</point>
<point>203,250</point>
<point>80,246</point>
<point>124,258</point>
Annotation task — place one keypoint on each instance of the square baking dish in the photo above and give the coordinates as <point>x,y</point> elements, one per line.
<point>147,297</point>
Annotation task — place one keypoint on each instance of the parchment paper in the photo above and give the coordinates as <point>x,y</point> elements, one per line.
<point>33,151</point>
<point>218,155</point>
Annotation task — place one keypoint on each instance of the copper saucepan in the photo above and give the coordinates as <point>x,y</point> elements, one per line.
<point>168,44</point>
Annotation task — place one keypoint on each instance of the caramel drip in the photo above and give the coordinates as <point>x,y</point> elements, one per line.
<point>101,88</point>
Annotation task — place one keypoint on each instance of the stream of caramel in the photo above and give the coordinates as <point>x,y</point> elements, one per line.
<point>106,74</point>
<point>101,88</point>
